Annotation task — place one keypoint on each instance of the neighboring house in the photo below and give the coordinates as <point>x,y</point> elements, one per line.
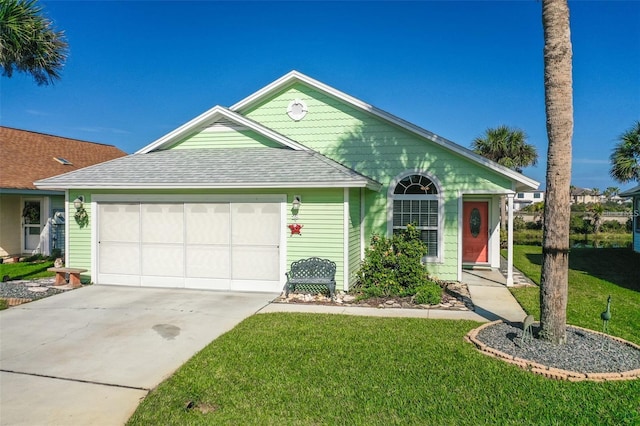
<point>31,219</point>
<point>634,193</point>
<point>524,199</point>
<point>584,196</point>
<point>294,170</point>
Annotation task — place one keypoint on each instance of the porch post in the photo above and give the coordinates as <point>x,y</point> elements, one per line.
<point>510,240</point>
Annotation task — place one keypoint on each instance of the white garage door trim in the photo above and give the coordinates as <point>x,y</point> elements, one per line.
<point>183,281</point>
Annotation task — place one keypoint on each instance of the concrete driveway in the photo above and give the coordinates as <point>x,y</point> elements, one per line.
<point>88,356</point>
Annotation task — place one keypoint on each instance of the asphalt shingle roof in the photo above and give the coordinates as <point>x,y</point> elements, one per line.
<point>214,168</point>
<point>29,156</point>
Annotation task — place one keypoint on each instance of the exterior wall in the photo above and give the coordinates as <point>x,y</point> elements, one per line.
<point>224,138</point>
<point>11,220</point>
<point>354,235</point>
<point>10,224</point>
<point>321,214</point>
<point>381,151</point>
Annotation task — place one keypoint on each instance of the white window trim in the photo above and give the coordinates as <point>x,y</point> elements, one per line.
<point>439,197</point>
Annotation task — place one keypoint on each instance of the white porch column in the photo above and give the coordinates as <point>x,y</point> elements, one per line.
<point>510,240</point>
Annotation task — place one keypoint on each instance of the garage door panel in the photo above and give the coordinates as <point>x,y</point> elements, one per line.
<point>119,258</point>
<point>208,262</point>
<point>255,223</point>
<point>163,260</point>
<point>207,223</point>
<point>255,263</point>
<point>119,222</point>
<point>162,223</point>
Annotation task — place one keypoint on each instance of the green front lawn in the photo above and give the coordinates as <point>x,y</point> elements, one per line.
<point>307,369</point>
<point>26,270</point>
<point>594,274</point>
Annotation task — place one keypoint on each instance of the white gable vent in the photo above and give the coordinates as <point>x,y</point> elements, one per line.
<point>224,125</point>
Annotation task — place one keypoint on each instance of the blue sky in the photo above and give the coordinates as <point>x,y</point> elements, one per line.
<point>138,70</point>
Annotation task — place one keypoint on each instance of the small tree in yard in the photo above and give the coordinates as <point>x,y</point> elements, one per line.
<point>393,267</point>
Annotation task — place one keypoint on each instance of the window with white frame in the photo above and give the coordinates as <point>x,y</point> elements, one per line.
<point>416,200</point>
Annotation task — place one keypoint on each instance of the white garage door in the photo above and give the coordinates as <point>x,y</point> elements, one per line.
<point>217,245</point>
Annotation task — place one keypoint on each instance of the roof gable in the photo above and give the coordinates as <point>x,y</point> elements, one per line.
<point>27,156</point>
<point>219,117</point>
<point>293,78</point>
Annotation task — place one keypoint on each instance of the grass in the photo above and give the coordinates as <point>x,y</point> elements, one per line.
<point>26,270</point>
<point>310,369</point>
<point>594,274</point>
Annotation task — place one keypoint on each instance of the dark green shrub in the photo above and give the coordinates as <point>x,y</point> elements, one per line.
<point>428,294</point>
<point>611,226</point>
<point>3,304</point>
<point>393,266</point>
<point>519,223</point>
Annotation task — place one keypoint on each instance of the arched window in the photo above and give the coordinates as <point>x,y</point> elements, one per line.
<point>416,200</point>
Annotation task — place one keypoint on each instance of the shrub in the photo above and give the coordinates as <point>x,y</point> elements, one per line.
<point>519,223</point>
<point>3,304</point>
<point>428,294</point>
<point>393,266</point>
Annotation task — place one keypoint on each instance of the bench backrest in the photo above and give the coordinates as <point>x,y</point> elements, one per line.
<point>314,267</point>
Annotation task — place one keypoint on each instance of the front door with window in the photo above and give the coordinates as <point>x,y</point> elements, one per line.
<point>475,232</point>
<point>31,224</point>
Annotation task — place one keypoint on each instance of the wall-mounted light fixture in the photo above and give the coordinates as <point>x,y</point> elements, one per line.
<point>297,200</point>
<point>78,203</point>
<point>295,206</point>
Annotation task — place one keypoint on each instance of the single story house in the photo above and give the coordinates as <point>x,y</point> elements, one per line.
<point>634,193</point>
<point>297,169</point>
<point>32,219</point>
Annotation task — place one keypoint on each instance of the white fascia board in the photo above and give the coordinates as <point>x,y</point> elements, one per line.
<point>262,185</point>
<point>630,192</point>
<point>210,116</point>
<point>295,76</point>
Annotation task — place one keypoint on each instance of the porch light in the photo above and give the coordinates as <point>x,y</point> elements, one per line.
<point>78,202</point>
<point>295,206</point>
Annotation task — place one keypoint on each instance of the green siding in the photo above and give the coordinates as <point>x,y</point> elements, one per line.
<point>79,239</point>
<point>382,151</point>
<point>225,139</point>
<point>354,235</point>
<point>322,214</point>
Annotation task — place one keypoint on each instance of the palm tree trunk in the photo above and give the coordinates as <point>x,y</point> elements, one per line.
<point>559,111</point>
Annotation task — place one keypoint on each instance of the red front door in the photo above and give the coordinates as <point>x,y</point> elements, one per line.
<point>475,232</point>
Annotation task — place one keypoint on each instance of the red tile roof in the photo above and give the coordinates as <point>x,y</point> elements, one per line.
<point>26,157</point>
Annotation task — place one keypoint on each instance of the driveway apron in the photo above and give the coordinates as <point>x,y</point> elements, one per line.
<point>88,356</point>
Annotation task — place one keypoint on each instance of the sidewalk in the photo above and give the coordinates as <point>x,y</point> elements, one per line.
<point>488,290</point>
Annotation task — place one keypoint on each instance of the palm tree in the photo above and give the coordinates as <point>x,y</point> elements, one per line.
<point>508,147</point>
<point>625,158</point>
<point>29,43</point>
<point>559,111</point>
<point>611,192</point>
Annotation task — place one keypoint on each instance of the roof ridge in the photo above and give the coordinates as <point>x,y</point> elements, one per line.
<point>57,136</point>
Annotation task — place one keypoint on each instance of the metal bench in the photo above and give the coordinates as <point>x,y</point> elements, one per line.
<point>312,271</point>
<point>61,276</point>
